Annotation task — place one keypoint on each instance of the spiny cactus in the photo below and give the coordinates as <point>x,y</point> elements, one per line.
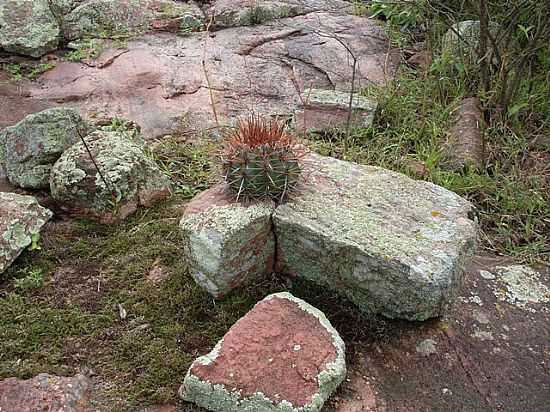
<point>260,159</point>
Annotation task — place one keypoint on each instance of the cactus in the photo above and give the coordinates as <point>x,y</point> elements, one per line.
<point>260,159</point>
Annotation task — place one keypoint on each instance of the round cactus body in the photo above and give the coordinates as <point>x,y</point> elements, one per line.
<point>261,160</point>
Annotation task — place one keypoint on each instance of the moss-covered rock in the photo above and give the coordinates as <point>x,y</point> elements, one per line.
<point>391,244</point>
<point>21,219</point>
<point>234,13</point>
<point>29,149</point>
<point>226,243</point>
<point>28,27</point>
<point>111,18</point>
<point>128,177</point>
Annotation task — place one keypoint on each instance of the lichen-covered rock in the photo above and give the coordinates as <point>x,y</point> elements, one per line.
<point>325,109</point>
<point>21,219</point>
<point>107,18</point>
<point>30,148</point>
<point>45,393</point>
<point>234,13</point>
<point>128,177</point>
<point>283,356</point>
<point>462,41</point>
<point>28,27</point>
<point>226,243</point>
<point>391,244</point>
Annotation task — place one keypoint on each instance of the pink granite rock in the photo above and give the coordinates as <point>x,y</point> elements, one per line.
<point>45,393</point>
<point>283,355</point>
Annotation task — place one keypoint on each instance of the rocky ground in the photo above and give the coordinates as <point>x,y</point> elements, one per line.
<point>114,304</point>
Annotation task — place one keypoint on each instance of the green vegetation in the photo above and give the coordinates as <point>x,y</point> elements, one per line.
<point>29,71</point>
<point>86,49</point>
<point>33,280</point>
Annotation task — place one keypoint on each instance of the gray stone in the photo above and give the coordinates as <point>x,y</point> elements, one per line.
<point>28,27</point>
<point>109,18</point>
<point>132,178</point>
<point>391,244</point>
<point>326,109</point>
<point>46,393</point>
<point>234,13</point>
<point>226,243</point>
<point>21,219</point>
<point>427,347</point>
<point>283,356</point>
<point>462,41</point>
<point>30,148</point>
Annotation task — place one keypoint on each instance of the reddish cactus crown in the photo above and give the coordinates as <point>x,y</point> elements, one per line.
<point>260,159</point>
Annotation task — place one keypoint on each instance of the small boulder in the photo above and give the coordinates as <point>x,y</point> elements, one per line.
<point>45,393</point>
<point>462,41</point>
<point>28,27</point>
<point>325,109</point>
<point>226,243</point>
<point>284,355</point>
<point>127,177</point>
<point>21,219</point>
<point>111,17</point>
<point>235,13</point>
<point>105,18</point>
<point>392,245</point>
<point>31,147</point>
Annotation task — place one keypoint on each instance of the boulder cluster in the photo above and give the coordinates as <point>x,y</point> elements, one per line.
<point>36,27</point>
<point>389,244</point>
<point>103,174</point>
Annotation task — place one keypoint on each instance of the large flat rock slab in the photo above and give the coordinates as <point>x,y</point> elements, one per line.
<point>284,355</point>
<point>392,245</point>
<point>226,243</point>
<point>45,393</point>
<point>489,354</point>
<point>159,82</point>
<point>21,219</point>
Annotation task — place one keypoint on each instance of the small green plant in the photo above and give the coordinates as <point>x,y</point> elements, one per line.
<point>19,72</point>
<point>33,280</point>
<point>261,160</point>
<point>360,8</point>
<point>405,14</point>
<point>85,50</point>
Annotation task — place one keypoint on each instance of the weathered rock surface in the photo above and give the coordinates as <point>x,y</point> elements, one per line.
<point>325,109</point>
<point>234,13</point>
<point>21,219</point>
<point>108,18</point>
<point>131,177</point>
<point>29,149</point>
<point>391,244</point>
<point>226,243</point>
<point>284,355</point>
<point>45,393</point>
<point>28,27</point>
<point>465,145</point>
<point>489,354</point>
<point>159,82</point>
